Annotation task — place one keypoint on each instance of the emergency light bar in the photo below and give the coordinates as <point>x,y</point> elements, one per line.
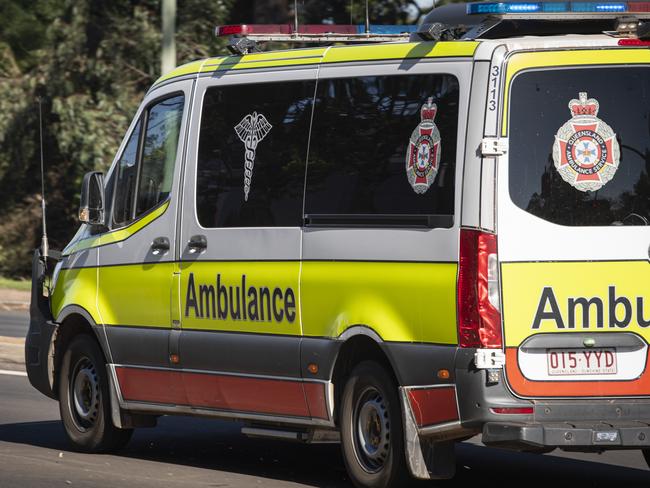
<point>554,8</point>
<point>317,32</point>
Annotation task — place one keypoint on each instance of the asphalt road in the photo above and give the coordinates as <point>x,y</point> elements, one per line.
<point>14,324</point>
<point>187,452</point>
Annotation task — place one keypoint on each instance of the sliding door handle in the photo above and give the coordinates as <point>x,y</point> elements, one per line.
<point>197,244</point>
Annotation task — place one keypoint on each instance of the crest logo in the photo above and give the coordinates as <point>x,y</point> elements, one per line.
<point>586,152</point>
<point>423,153</point>
<point>251,130</point>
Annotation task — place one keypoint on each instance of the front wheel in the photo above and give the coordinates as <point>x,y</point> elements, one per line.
<point>372,437</point>
<point>84,399</point>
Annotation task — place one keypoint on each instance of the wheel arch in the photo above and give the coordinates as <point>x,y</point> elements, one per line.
<point>72,321</point>
<point>359,343</point>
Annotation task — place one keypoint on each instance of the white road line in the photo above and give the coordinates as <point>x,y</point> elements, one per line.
<point>12,373</point>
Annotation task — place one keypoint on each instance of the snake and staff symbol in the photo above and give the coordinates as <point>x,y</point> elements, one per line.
<point>251,130</point>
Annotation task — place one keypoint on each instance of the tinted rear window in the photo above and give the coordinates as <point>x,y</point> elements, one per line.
<point>598,174</point>
<point>362,133</point>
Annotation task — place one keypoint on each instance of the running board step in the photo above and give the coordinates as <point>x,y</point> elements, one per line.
<point>310,436</point>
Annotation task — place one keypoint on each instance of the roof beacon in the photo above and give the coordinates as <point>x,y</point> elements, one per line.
<point>245,36</point>
<point>548,9</point>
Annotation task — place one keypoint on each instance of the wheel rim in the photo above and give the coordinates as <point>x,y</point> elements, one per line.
<point>371,430</point>
<point>84,394</point>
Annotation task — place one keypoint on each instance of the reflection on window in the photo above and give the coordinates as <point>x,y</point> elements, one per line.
<point>159,154</point>
<point>539,109</point>
<point>361,135</point>
<point>262,129</point>
<point>126,172</point>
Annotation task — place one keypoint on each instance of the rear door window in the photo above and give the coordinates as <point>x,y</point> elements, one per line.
<point>383,151</point>
<point>580,145</point>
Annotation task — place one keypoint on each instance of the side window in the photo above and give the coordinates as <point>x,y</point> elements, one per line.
<point>147,163</point>
<point>125,176</point>
<point>159,154</point>
<point>252,154</point>
<point>383,151</point>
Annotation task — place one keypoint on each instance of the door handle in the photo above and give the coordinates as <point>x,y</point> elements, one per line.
<point>197,243</point>
<point>160,245</point>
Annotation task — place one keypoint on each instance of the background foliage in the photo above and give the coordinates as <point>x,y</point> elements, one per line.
<point>90,62</point>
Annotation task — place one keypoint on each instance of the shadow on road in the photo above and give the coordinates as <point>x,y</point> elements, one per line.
<point>219,446</point>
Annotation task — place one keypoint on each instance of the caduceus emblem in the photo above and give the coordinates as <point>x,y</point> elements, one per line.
<point>251,130</point>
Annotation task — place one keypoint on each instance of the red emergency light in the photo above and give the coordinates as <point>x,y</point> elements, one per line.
<point>307,31</point>
<point>633,42</point>
<point>283,29</point>
<point>243,37</point>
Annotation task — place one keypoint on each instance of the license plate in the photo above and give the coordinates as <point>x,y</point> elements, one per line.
<point>576,362</point>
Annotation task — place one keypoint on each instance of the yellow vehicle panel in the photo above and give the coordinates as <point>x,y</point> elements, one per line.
<point>409,302</point>
<point>575,297</point>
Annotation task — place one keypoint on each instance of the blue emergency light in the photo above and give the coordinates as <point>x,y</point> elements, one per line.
<point>504,8</point>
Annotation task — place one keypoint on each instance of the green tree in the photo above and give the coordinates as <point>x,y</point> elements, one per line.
<point>91,62</point>
<point>327,11</point>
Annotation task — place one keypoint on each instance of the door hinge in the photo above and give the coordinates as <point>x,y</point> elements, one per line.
<point>489,358</point>
<point>494,146</point>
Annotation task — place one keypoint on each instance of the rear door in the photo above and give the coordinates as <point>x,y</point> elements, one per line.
<point>573,213</point>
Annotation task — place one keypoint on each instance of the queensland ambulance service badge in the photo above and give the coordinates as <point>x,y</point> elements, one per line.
<point>586,152</point>
<point>423,153</point>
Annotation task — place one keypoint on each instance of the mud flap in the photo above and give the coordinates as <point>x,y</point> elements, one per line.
<point>39,336</point>
<point>426,459</point>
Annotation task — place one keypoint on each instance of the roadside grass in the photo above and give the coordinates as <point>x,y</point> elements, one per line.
<point>11,284</point>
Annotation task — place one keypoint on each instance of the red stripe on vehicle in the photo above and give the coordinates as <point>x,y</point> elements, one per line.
<point>432,406</point>
<point>315,395</point>
<point>145,385</point>
<point>223,392</point>
<point>246,394</point>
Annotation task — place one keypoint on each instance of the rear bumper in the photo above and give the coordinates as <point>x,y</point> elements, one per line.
<point>568,435</point>
<point>579,424</point>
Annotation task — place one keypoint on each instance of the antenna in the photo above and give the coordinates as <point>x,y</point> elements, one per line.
<point>295,16</point>
<point>367,18</point>
<point>45,248</point>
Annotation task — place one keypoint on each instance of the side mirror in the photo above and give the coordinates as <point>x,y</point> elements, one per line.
<point>91,208</point>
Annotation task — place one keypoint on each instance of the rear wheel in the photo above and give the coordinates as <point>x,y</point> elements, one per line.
<point>372,438</point>
<point>84,399</point>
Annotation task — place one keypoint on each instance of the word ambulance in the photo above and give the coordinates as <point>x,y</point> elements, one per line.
<point>620,314</point>
<point>256,304</point>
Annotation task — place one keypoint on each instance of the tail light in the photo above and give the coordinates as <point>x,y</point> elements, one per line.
<point>513,410</point>
<point>479,315</point>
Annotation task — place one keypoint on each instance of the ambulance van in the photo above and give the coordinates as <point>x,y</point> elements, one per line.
<point>392,245</point>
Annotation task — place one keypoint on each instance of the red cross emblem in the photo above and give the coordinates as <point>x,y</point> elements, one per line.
<point>586,152</point>
<point>423,153</point>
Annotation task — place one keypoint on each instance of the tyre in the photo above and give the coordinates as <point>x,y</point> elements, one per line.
<point>372,437</point>
<point>84,400</point>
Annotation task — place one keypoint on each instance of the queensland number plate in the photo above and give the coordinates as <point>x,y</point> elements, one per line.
<point>577,362</point>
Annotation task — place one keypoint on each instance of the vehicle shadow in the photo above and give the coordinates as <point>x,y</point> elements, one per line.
<point>218,445</point>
